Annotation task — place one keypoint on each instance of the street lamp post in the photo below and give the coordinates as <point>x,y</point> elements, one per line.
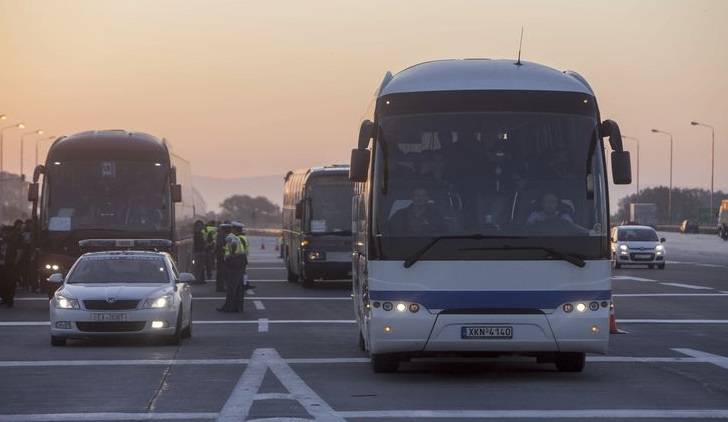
<point>669,193</point>
<point>22,143</point>
<point>3,129</point>
<point>712,161</point>
<point>37,144</point>
<point>637,141</point>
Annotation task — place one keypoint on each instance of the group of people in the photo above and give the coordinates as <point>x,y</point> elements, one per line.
<point>223,249</point>
<point>16,261</point>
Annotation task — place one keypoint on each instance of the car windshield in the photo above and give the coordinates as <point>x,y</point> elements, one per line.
<point>119,269</point>
<point>124,195</point>
<point>636,235</point>
<point>330,204</point>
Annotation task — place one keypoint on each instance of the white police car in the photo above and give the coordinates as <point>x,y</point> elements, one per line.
<point>637,245</point>
<point>121,293</point>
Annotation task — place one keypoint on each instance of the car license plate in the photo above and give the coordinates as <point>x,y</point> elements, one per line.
<point>108,317</point>
<point>642,256</point>
<point>487,331</point>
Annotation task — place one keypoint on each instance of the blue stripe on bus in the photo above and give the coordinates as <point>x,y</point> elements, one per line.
<point>463,299</point>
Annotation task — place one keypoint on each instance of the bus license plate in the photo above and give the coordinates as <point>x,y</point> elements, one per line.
<point>108,317</point>
<point>487,331</point>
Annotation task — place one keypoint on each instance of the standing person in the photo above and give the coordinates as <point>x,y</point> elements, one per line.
<point>222,231</point>
<point>25,259</point>
<point>10,279</point>
<point>211,239</point>
<point>199,248</point>
<point>234,263</point>
<point>239,231</point>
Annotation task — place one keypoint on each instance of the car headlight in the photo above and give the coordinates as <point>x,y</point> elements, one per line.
<point>52,267</point>
<point>623,247</point>
<point>659,248</point>
<point>316,256</point>
<point>63,302</point>
<point>164,301</point>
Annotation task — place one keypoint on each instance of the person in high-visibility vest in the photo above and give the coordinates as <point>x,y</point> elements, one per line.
<point>199,248</point>
<point>239,231</point>
<point>210,233</point>
<point>234,261</point>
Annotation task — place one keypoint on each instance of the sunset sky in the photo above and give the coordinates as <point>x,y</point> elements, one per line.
<point>246,88</point>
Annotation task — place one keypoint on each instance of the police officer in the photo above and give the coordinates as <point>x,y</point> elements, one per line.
<point>223,230</point>
<point>234,261</point>
<point>211,239</point>
<point>239,231</point>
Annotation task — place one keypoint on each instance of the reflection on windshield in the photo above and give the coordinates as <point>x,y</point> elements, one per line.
<point>491,173</point>
<point>119,270</point>
<point>330,205</point>
<point>124,195</point>
<point>637,235</point>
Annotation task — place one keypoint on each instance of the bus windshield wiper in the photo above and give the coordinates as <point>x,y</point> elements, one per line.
<point>570,258</point>
<point>412,259</point>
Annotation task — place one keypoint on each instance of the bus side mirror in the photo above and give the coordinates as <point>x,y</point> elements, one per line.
<point>621,168</point>
<point>33,192</point>
<point>366,133</point>
<point>299,210</point>
<point>176,191</point>
<point>359,166</point>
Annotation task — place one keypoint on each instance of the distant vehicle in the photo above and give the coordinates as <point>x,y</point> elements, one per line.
<point>121,293</point>
<point>317,224</point>
<point>111,184</point>
<point>644,214</point>
<point>637,245</point>
<point>689,226</point>
<point>723,220</point>
<point>480,214</point>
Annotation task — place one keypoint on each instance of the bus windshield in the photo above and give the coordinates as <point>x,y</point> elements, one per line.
<point>500,174</point>
<point>116,195</point>
<point>329,205</point>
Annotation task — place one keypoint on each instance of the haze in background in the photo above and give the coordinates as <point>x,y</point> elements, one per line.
<point>251,88</point>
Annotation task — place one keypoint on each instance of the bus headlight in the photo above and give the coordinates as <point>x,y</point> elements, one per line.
<point>316,256</point>
<point>52,267</point>
<point>401,307</point>
<point>580,307</point>
<point>623,247</point>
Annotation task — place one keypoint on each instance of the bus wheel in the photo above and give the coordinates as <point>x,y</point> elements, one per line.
<point>384,363</point>
<point>58,341</point>
<point>307,282</point>
<point>570,362</point>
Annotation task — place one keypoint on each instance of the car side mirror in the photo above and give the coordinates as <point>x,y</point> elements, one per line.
<point>186,278</point>
<point>663,240</point>
<point>359,166</point>
<point>176,192</point>
<point>55,278</point>
<point>33,192</point>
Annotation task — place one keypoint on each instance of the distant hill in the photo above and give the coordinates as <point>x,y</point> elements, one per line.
<point>214,190</point>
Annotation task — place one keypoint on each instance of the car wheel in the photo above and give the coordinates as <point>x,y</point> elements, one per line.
<point>661,266</point>
<point>570,362</point>
<point>187,332</point>
<point>384,363</point>
<point>307,282</point>
<point>362,345</point>
<point>176,338</point>
<point>58,341</point>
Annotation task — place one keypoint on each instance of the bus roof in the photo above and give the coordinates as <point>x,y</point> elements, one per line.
<point>333,169</point>
<point>482,74</point>
<point>116,144</point>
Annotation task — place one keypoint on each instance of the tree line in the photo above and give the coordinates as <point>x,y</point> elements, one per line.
<point>258,212</point>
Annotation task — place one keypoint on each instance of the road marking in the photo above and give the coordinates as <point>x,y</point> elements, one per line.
<point>687,286</point>
<point>629,277</point>
<point>721,294</point>
<point>718,360</point>
<point>259,305</point>
<point>672,321</point>
<point>106,416</point>
<point>701,358</point>
<point>237,407</point>
<point>540,414</point>
<point>263,325</point>
<point>267,268</point>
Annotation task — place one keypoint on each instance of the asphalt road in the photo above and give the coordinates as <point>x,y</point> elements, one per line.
<point>293,355</point>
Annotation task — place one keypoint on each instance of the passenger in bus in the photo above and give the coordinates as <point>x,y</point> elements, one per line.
<point>418,218</point>
<point>551,210</point>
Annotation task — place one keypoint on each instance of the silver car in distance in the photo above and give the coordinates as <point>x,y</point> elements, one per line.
<point>121,293</point>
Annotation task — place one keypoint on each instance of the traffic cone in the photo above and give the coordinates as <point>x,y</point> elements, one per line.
<point>613,321</point>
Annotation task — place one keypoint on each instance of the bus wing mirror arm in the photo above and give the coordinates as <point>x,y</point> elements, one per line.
<point>621,163</point>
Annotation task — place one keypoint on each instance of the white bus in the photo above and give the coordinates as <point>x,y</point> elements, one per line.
<point>481,215</point>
